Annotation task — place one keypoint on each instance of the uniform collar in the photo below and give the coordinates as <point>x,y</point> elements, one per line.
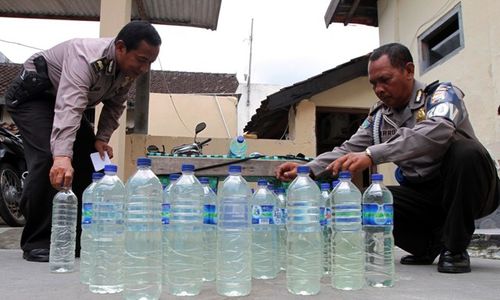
<point>110,55</point>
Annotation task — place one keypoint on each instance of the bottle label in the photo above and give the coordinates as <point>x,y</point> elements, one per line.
<point>277,216</point>
<point>378,214</point>
<point>322,216</point>
<point>262,214</point>
<point>209,214</point>
<point>328,216</point>
<point>233,212</point>
<point>347,213</point>
<point>284,216</point>
<point>165,213</point>
<point>87,213</point>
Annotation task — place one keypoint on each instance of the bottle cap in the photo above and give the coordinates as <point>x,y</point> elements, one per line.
<point>143,161</point>
<point>234,169</point>
<point>325,186</point>
<point>204,180</point>
<point>240,139</point>
<point>97,175</point>
<point>377,177</point>
<point>334,183</point>
<point>262,182</point>
<point>345,174</point>
<point>280,190</point>
<point>110,168</point>
<point>303,169</point>
<point>174,177</point>
<point>187,167</point>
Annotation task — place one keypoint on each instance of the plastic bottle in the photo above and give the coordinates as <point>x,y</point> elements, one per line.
<point>348,238</point>
<point>108,234</point>
<point>281,203</point>
<point>142,265</point>
<point>63,232</point>
<point>165,220</point>
<point>378,216</point>
<point>87,248</point>
<point>209,230</point>
<point>185,235</point>
<point>324,220</point>
<point>238,147</point>
<point>234,239</point>
<point>264,233</point>
<point>304,242</point>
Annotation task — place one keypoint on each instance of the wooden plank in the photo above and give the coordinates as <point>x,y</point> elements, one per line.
<point>265,167</point>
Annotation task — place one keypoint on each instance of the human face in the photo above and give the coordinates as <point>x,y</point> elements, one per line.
<point>135,62</point>
<point>392,85</point>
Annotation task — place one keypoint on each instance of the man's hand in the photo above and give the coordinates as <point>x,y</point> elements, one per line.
<point>352,162</point>
<point>61,173</point>
<point>287,171</point>
<point>101,147</point>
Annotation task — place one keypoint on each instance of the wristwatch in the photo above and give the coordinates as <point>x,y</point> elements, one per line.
<point>369,153</point>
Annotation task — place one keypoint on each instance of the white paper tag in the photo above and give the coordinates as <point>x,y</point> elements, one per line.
<point>98,162</point>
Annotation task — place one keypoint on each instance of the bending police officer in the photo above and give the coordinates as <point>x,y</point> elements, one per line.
<point>47,102</point>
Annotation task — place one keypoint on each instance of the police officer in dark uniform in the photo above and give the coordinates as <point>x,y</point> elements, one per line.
<point>47,102</point>
<point>447,178</point>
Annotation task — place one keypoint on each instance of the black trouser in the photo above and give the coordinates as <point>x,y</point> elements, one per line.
<point>34,119</point>
<point>441,212</point>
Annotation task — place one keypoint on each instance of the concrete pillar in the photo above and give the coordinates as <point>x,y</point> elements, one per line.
<point>302,129</point>
<point>114,15</point>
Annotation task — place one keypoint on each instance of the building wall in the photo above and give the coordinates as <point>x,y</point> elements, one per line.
<point>176,115</point>
<point>475,68</point>
<point>356,93</point>
<point>258,92</point>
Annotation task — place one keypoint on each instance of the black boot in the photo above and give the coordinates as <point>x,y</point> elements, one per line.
<point>450,262</point>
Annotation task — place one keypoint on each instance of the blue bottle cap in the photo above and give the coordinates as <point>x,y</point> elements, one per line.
<point>262,182</point>
<point>187,167</point>
<point>97,175</point>
<point>143,161</point>
<point>345,174</point>
<point>240,139</point>
<point>174,176</point>
<point>325,186</point>
<point>334,183</point>
<point>377,177</point>
<point>204,180</point>
<point>303,169</point>
<point>110,168</point>
<point>233,169</point>
<point>280,190</point>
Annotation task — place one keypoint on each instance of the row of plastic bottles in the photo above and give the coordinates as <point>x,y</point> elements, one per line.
<point>243,236</point>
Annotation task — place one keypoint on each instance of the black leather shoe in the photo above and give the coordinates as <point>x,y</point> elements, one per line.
<point>38,255</point>
<point>417,260</point>
<point>454,262</point>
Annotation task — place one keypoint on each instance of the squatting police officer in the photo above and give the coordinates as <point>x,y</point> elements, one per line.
<point>447,178</point>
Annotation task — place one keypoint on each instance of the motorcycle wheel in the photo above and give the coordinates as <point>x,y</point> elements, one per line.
<point>10,195</point>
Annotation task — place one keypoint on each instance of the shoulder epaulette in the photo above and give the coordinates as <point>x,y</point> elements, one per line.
<point>100,64</point>
<point>375,107</point>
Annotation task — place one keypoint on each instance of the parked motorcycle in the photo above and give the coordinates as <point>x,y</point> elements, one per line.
<point>13,170</point>
<point>196,148</point>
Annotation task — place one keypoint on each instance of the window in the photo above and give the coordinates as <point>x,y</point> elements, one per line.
<point>442,40</point>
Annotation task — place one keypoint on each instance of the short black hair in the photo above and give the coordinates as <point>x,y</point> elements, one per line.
<point>136,31</point>
<point>398,54</point>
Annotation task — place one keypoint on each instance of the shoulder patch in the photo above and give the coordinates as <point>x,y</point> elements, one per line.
<point>367,123</point>
<point>444,102</point>
<point>99,64</point>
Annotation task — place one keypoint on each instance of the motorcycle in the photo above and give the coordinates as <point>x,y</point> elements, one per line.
<point>13,171</point>
<point>196,148</point>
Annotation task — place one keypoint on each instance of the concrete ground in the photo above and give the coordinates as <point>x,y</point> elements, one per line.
<point>27,280</point>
